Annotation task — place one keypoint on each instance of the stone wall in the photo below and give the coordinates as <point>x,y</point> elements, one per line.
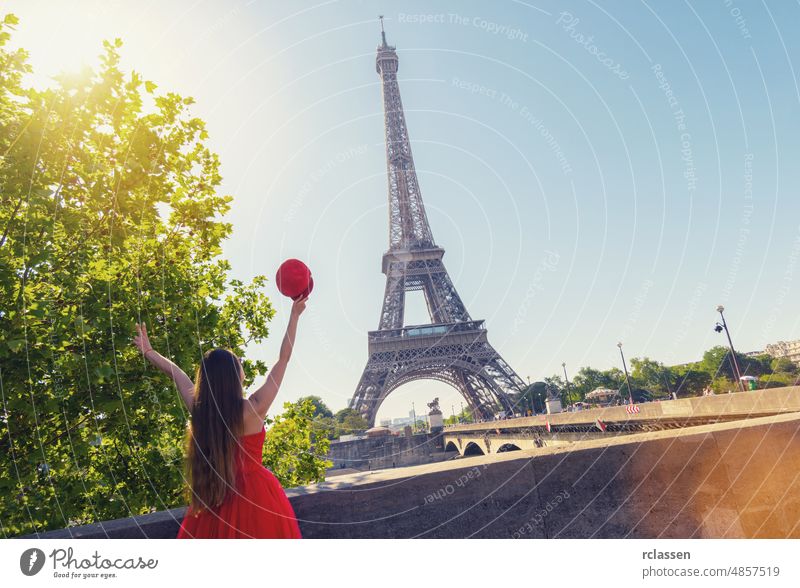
<point>387,451</point>
<point>734,479</point>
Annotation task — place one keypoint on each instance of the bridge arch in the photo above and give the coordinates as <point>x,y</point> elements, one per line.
<point>450,446</point>
<point>473,448</point>
<point>508,447</point>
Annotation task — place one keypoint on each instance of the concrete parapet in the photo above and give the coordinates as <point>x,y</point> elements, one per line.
<point>731,479</point>
<point>721,407</point>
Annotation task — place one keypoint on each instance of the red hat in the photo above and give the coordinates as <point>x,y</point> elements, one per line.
<point>294,279</point>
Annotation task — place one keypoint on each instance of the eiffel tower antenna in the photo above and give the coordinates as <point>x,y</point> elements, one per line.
<point>383,33</point>
<point>452,348</point>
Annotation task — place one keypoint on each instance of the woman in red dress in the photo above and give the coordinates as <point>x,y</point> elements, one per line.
<point>230,493</point>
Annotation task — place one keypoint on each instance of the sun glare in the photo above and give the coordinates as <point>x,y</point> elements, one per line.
<point>67,38</point>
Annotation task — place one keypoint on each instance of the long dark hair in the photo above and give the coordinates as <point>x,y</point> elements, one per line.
<point>212,436</point>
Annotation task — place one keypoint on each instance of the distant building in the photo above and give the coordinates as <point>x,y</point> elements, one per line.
<point>790,349</point>
<point>400,422</point>
<point>343,438</point>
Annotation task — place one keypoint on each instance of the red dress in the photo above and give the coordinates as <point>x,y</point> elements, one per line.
<point>258,509</point>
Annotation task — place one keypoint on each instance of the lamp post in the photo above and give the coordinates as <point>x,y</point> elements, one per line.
<point>414,416</point>
<point>627,379</point>
<point>566,379</point>
<point>529,395</point>
<point>724,326</point>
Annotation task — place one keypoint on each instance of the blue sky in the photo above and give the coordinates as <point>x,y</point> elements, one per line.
<point>582,199</point>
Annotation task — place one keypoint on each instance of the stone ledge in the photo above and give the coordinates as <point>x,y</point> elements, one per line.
<point>158,525</point>
<point>736,405</point>
<point>725,480</point>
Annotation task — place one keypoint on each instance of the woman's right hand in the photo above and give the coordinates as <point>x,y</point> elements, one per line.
<point>141,340</point>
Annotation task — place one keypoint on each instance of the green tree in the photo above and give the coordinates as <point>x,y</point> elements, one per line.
<point>588,379</point>
<point>349,422</point>
<point>652,375</point>
<point>320,408</point>
<point>342,414</point>
<point>533,397</point>
<point>324,427</point>
<point>109,215</point>
<point>690,381</point>
<point>755,365</point>
<point>291,451</point>
<point>783,365</point>
<point>723,385</point>
<point>716,362</point>
<point>779,379</point>
<point>463,417</point>
<point>557,386</point>
<point>638,394</point>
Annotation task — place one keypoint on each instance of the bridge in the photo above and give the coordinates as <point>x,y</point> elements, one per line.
<point>571,427</point>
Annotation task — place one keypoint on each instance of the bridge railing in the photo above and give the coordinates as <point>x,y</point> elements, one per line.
<point>734,406</point>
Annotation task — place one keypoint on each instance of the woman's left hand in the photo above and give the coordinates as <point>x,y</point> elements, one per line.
<point>141,340</point>
<point>299,305</point>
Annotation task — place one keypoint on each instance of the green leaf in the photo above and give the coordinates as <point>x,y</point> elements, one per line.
<point>15,345</point>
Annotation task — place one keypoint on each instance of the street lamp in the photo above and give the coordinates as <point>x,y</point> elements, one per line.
<point>724,326</point>
<point>566,379</point>
<point>627,379</point>
<point>529,395</point>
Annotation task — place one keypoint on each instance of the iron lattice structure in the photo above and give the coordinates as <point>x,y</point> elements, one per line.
<point>453,348</point>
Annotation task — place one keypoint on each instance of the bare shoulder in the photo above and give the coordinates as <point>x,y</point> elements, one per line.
<point>252,421</point>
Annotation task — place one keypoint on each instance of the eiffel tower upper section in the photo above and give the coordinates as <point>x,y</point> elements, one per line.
<point>413,261</point>
<point>408,223</point>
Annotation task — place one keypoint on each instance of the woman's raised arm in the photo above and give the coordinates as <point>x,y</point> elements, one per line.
<point>182,381</point>
<point>262,399</point>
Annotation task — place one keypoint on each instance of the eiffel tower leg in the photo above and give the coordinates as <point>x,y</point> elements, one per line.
<point>474,392</point>
<point>369,391</point>
<point>491,398</point>
<point>392,313</point>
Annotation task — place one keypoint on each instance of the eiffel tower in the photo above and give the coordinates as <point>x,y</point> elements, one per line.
<point>452,348</point>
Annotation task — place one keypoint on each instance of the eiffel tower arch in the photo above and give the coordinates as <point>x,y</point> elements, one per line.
<point>452,348</point>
